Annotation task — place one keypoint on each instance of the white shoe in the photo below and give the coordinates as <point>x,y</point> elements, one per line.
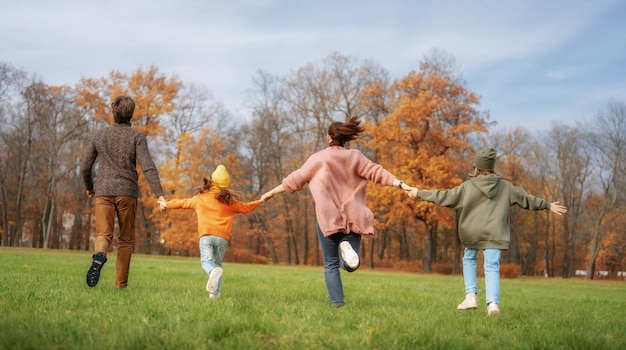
<point>493,310</point>
<point>214,280</point>
<point>349,256</point>
<point>469,302</point>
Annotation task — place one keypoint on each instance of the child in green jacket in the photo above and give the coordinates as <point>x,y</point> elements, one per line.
<point>484,223</point>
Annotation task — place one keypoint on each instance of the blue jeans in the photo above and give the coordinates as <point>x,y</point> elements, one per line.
<point>212,250</point>
<point>492,272</point>
<point>330,251</point>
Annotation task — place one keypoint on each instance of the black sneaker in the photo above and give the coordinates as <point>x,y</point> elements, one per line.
<point>93,275</point>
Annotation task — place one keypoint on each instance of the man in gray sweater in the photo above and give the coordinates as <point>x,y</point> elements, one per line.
<point>118,148</point>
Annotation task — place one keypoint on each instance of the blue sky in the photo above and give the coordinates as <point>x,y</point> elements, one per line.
<point>533,62</point>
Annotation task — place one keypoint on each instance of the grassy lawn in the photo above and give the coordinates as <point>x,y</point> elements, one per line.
<point>46,304</point>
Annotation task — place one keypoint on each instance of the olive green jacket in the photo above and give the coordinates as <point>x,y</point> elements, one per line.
<point>485,201</point>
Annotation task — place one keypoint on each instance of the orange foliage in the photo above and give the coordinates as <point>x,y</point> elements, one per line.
<point>152,92</point>
<point>424,141</point>
<point>510,270</point>
<point>197,156</point>
<point>442,268</point>
<point>612,255</point>
<point>408,266</point>
<point>245,256</point>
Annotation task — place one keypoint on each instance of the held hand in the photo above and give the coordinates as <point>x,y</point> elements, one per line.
<point>266,196</point>
<point>556,208</point>
<point>162,203</point>
<point>411,191</point>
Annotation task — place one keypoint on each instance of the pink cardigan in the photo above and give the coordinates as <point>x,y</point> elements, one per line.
<point>338,179</point>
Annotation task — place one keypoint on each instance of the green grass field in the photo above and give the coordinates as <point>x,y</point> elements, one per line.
<point>46,304</point>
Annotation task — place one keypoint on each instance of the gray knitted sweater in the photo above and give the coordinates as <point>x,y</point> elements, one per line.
<point>118,148</point>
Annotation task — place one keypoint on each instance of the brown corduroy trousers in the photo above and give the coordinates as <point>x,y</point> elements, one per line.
<point>125,209</point>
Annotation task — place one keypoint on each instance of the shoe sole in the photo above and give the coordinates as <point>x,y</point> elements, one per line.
<point>349,256</point>
<point>93,274</point>
<point>214,280</point>
<point>493,312</point>
<point>467,307</point>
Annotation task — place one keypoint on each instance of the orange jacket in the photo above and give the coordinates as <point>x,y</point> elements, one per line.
<point>214,217</point>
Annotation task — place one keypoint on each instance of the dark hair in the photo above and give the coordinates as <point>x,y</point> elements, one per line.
<point>123,108</point>
<point>341,133</point>
<point>224,196</point>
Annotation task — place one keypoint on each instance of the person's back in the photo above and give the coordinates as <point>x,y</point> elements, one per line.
<point>214,216</point>
<point>117,148</point>
<point>484,201</point>
<point>338,178</point>
<point>215,208</point>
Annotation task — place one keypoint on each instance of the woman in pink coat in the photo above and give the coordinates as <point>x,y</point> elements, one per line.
<point>337,178</point>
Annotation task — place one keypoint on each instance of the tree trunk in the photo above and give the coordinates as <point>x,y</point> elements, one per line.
<point>595,246</point>
<point>427,259</point>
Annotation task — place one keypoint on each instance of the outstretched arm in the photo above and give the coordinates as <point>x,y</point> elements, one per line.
<point>556,208</point>
<point>269,194</point>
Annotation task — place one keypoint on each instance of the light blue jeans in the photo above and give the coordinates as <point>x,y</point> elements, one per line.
<point>332,261</point>
<point>492,272</point>
<point>212,250</point>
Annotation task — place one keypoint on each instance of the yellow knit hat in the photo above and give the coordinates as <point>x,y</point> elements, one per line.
<point>220,177</point>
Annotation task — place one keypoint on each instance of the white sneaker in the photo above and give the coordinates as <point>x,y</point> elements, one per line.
<point>214,280</point>
<point>493,310</point>
<point>349,256</point>
<point>469,302</point>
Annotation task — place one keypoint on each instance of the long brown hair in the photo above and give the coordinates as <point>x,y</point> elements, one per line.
<point>341,133</point>
<point>224,196</point>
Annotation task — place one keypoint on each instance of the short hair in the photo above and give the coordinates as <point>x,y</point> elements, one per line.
<point>123,108</point>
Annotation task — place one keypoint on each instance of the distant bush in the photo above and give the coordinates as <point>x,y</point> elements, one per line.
<point>260,260</point>
<point>408,266</point>
<point>510,270</point>
<point>245,256</point>
<point>442,268</point>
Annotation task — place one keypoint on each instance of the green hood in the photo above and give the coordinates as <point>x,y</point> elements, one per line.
<point>486,184</point>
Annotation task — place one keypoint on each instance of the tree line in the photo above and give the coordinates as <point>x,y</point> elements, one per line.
<point>424,127</point>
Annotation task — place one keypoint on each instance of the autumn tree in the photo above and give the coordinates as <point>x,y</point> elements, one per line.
<point>268,139</point>
<point>181,178</point>
<point>572,167</point>
<point>15,141</point>
<point>57,123</point>
<point>199,139</point>
<point>426,139</point>
<point>609,141</point>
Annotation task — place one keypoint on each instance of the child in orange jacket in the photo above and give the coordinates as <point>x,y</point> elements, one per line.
<point>215,207</point>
